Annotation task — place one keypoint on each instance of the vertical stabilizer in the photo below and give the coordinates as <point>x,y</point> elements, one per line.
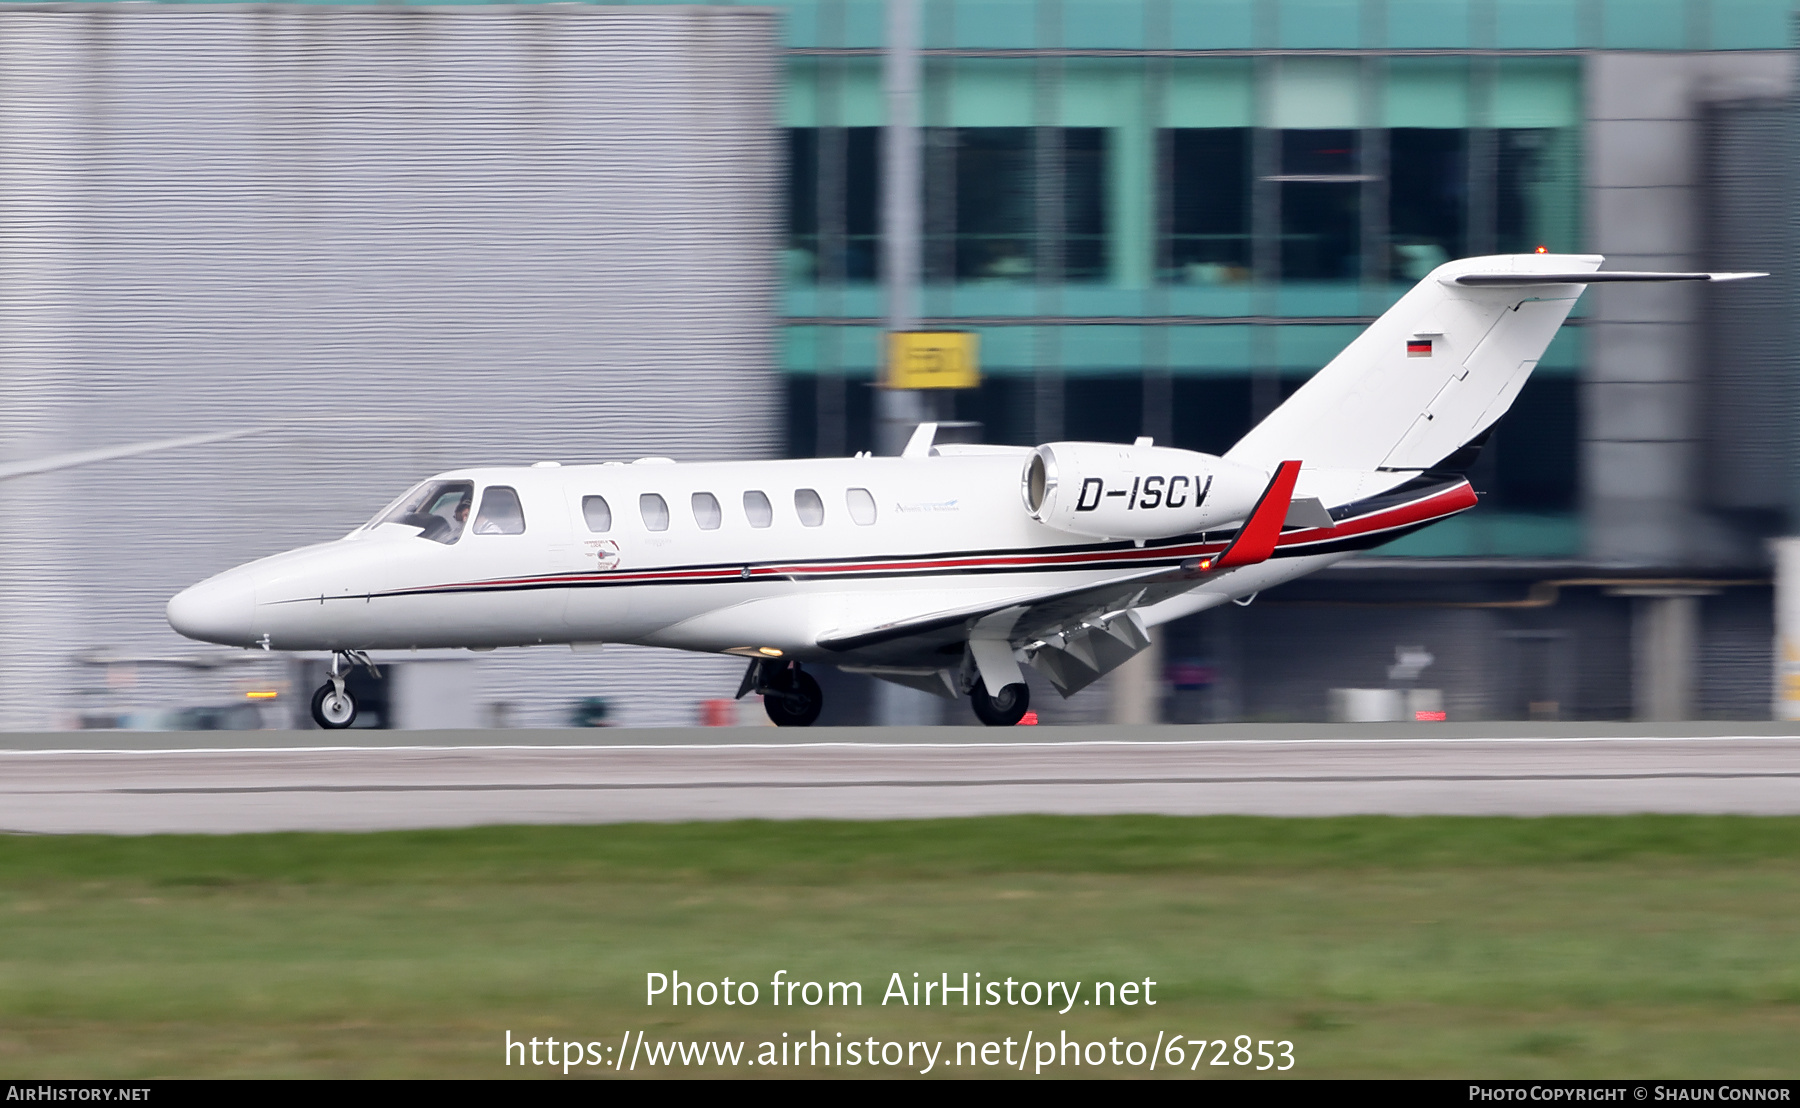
<point>1434,372</point>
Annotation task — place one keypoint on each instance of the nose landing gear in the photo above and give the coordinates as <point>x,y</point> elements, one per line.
<point>333,707</point>
<point>790,695</point>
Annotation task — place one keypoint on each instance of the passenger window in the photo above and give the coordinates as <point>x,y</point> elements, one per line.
<point>862,506</point>
<point>758,509</point>
<point>597,512</point>
<point>500,513</point>
<point>809,506</point>
<point>655,511</point>
<point>438,509</point>
<point>706,511</point>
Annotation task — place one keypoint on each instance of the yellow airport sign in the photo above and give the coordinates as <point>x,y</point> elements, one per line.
<point>932,360</point>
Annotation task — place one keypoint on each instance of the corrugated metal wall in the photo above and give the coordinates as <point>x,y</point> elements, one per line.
<point>1748,349</point>
<point>510,233</point>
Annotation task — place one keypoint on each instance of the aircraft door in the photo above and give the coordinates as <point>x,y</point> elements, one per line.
<point>597,607</point>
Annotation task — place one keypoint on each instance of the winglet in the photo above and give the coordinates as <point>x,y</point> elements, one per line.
<point>1255,540</point>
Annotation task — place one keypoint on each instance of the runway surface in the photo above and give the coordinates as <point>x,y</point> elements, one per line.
<point>265,781</point>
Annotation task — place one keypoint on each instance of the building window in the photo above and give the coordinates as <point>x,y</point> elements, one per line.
<point>834,205</point>
<point>809,507</point>
<point>1321,212</point>
<point>1428,199</point>
<point>862,506</point>
<point>996,204</point>
<point>1208,205</point>
<point>1535,450</point>
<point>988,227</point>
<point>706,511</point>
<point>1533,193</point>
<point>655,511</point>
<point>757,509</point>
<point>597,512</point>
<point>994,187</point>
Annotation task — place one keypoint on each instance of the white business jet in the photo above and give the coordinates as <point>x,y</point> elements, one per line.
<point>946,568</point>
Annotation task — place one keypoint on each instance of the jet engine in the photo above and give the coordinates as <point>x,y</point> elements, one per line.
<point>1112,491</point>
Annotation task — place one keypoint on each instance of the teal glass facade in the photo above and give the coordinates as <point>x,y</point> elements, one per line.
<point>1161,216</point>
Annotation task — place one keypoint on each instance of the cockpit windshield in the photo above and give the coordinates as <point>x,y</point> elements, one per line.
<point>438,508</point>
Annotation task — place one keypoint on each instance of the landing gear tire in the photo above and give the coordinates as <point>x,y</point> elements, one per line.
<point>797,702</point>
<point>1005,710</point>
<point>331,709</point>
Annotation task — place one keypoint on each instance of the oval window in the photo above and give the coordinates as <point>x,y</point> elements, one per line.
<point>706,511</point>
<point>758,509</point>
<point>500,513</point>
<point>597,512</point>
<point>862,506</point>
<point>655,511</point>
<point>809,507</point>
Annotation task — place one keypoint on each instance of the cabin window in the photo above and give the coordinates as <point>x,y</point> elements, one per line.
<point>809,507</point>
<point>655,511</point>
<point>862,506</point>
<point>500,512</point>
<point>758,509</point>
<point>706,511</point>
<point>598,514</point>
<point>437,508</point>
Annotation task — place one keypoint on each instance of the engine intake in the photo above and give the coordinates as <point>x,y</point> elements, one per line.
<point>1110,491</point>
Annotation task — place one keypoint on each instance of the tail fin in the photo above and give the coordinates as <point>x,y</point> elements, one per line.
<point>1437,370</point>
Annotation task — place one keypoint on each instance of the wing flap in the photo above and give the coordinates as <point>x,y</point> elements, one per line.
<point>952,625</point>
<point>1044,614</point>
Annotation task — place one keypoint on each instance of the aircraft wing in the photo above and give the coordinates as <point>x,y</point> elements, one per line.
<point>1033,616</point>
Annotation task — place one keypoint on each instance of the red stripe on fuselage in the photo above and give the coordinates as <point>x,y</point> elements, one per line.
<point>1439,505</point>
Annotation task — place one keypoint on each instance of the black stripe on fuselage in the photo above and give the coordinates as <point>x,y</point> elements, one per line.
<point>1145,557</point>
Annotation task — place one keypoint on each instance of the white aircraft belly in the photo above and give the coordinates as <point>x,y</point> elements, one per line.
<point>794,618</point>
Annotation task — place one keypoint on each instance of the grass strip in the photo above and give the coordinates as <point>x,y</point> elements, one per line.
<point>1639,946</point>
<point>826,852</point>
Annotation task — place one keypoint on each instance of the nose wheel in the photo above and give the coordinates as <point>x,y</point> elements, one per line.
<point>333,708</point>
<point>333,705</point>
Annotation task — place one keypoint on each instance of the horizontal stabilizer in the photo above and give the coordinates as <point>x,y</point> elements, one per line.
<point>1438,369</point>
<point>1510,280</point>
<point>1308,511</point>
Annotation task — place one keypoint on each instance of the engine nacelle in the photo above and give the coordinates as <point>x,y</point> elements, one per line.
<point>1110,491</point>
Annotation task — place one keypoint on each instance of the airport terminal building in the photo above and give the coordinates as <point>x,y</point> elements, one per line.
<point>1162,216</point>
<point>533,233</point>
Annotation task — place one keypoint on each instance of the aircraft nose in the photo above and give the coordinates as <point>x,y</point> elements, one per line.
<point>216,610</point>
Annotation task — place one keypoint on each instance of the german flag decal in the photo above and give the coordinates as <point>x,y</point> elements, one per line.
<point>1418,348</point>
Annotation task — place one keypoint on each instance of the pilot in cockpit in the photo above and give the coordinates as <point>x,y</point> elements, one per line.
<point>439,510</point>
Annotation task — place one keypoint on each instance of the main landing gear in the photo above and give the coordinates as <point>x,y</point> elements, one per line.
<point>333,707</point>
<point>790,695</point>
<point>1005,710</point>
